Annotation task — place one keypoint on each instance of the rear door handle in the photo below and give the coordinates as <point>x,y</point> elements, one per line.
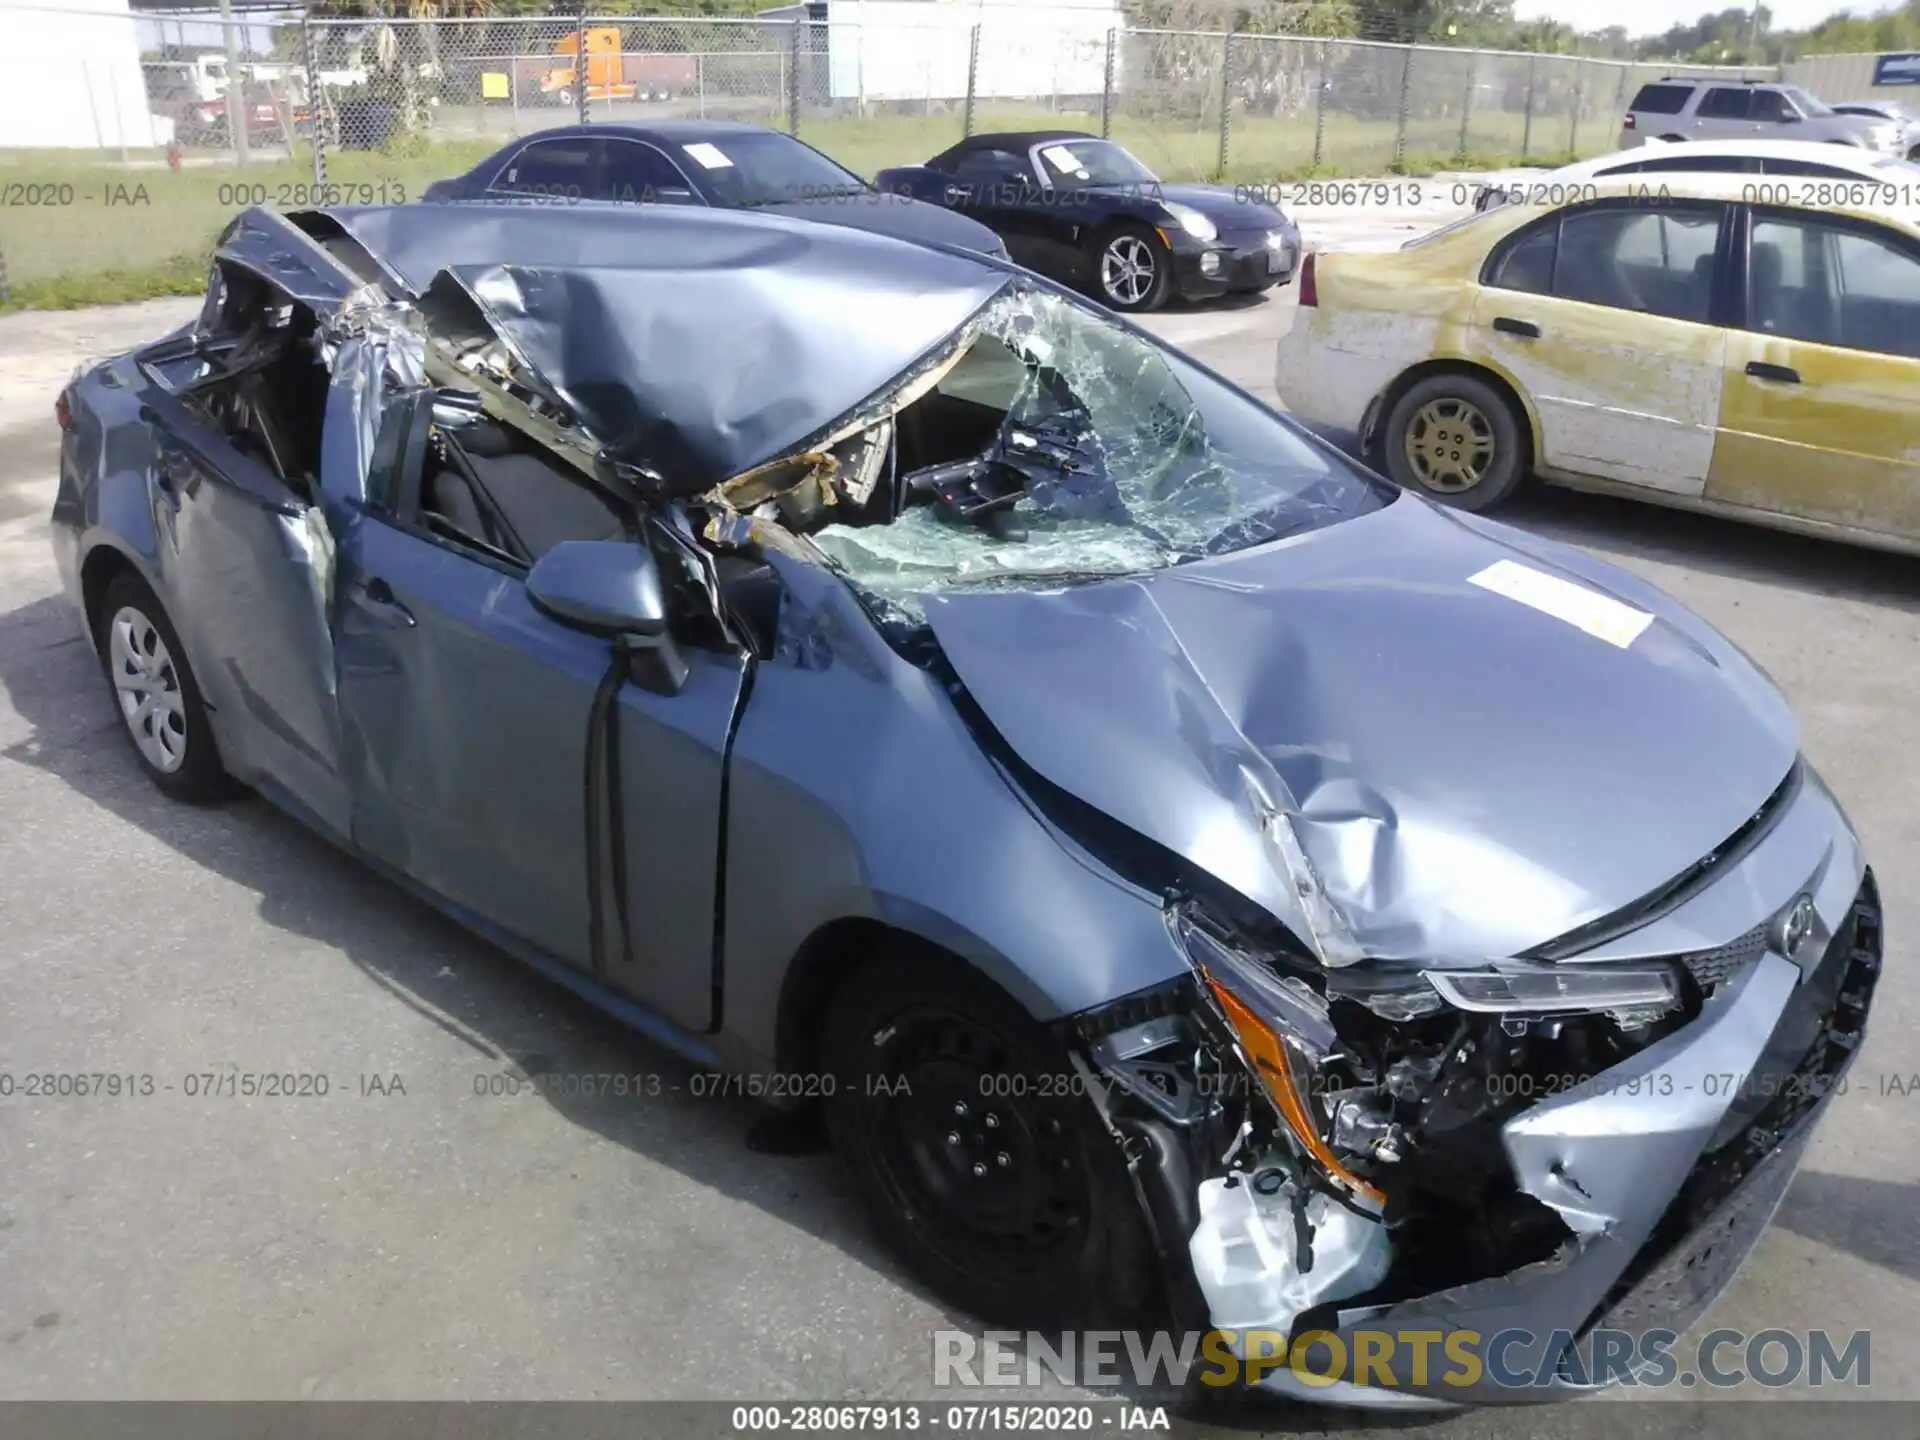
<point>1761,370</point>
<point>1526,329</point>
<point>377,596</point>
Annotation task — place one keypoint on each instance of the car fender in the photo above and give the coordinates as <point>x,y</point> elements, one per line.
<point>1450,355</point>
<point>858,792</point>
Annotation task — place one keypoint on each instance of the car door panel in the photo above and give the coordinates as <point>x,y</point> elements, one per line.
<point>468,716</point>
<point>1840,444</point>
<point>1818,418</point>
<point>464,716</point>
<point>670,785</point>
<point>249,569</point>
<point>1623,394</point>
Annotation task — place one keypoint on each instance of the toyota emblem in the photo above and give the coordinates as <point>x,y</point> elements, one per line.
<point>1795,926</point>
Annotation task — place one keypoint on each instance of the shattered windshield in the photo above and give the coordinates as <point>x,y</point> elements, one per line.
<point>1061,448</point>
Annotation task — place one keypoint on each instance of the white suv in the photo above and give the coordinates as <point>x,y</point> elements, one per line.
<point>1680,108</point>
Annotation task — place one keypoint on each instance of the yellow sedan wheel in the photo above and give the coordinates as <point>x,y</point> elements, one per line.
<point>1449,445</point>
<point>1455,438</point>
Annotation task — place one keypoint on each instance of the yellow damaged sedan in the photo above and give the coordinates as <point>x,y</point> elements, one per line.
<point>1743,345</point>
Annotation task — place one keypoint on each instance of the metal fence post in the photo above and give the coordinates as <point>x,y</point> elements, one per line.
<point>315,129</point>
<point>1400,121</point>
<point>1320,105</point>
<point>1579,85</point>
<point>6,289</point>
<point>973,75</point>
<point>1466,103</point>
<point>580,71</point>
<point>793,78</point>
<point>1106,86</point>
<point>700,82</point>
<point>1526,125</point>
<point>1226,99</point>
<point>1620,93</point>
<point>236,96</point>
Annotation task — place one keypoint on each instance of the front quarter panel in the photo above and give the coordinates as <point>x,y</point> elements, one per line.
<point>857,792</point>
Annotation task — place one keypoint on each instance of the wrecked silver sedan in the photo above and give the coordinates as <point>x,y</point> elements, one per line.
<point>1189,876</point>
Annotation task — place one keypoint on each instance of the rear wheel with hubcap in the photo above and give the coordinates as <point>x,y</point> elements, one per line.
<point>979,1155</point>
<point>157,696</point>
<point>1133,269</point>
<point>1456,439</point>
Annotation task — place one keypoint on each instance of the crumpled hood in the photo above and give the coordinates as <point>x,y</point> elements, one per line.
<point>1394,759</point>
<point>895,215</point>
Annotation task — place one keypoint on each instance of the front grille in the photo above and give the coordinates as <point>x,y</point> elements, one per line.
<point>1727,1201</point>
<point>1713,968</point>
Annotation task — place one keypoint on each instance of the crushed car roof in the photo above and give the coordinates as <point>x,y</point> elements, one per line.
<point>694,343</point>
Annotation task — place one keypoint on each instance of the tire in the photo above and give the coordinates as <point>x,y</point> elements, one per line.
<point>994,1178</point>
<point>143,661</point>
<point>1118,257</point>
<point>1455,439</point>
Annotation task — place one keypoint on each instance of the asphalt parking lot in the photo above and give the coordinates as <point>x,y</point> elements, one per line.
<point>412,1235</point>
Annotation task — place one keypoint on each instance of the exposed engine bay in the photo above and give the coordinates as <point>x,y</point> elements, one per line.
<point>1315,1138</point>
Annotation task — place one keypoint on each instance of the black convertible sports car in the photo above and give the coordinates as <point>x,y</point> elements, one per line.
<point>719,163</point>
<point>1086,211</point>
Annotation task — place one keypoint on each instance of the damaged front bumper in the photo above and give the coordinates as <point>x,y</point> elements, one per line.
<point>1654,1178</point>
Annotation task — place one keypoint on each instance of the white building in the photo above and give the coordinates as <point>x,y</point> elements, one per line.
<point>921,49</point>
<point>70,77</point>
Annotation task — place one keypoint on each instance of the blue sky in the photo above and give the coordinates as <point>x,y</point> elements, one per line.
<point>1651,17</point>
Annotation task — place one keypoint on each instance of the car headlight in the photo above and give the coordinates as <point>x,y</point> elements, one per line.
<point>1284,1032</point>
<point>1193,222</point>
<point>1558,988</point>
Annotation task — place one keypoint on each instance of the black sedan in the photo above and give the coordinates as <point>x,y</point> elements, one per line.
<point>704,162</point>
<point>1086,211</point>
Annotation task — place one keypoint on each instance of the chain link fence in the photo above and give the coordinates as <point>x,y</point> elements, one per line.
<point>122,154</point>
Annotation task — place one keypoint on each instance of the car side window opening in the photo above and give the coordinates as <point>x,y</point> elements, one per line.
<point>1661,99</point>
<point>1654,261</point>
<point>1807,170</point>
<point>635,172</point>
<point>564,167</point>
<point>1671,164</point>
<point>1772,105</point>
<point>1812,279</point>
<point>489,488</point>
<point>1528,265</point>
<point>1725,102</point>
<point>990,165</point>
<point>259,380</point>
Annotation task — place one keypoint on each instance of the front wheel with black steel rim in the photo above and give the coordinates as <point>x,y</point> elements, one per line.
<point>157,696</point>
<point>1455,439</point>
<point>1133,269</point>
<point>980,1156</point>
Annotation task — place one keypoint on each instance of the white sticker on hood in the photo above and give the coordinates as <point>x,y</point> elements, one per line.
<point>710,156</point>
<point>1599,615</point>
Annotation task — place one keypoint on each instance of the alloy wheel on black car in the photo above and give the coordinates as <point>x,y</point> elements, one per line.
<point>1134,272</point>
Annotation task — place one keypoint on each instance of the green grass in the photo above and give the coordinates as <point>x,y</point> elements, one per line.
<point>129,232</point>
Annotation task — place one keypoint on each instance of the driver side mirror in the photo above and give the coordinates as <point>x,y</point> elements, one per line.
<point>613,588</point>
<point>605,587</point>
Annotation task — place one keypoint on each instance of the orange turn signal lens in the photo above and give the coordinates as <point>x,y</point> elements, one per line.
<point>1270,1056</point>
